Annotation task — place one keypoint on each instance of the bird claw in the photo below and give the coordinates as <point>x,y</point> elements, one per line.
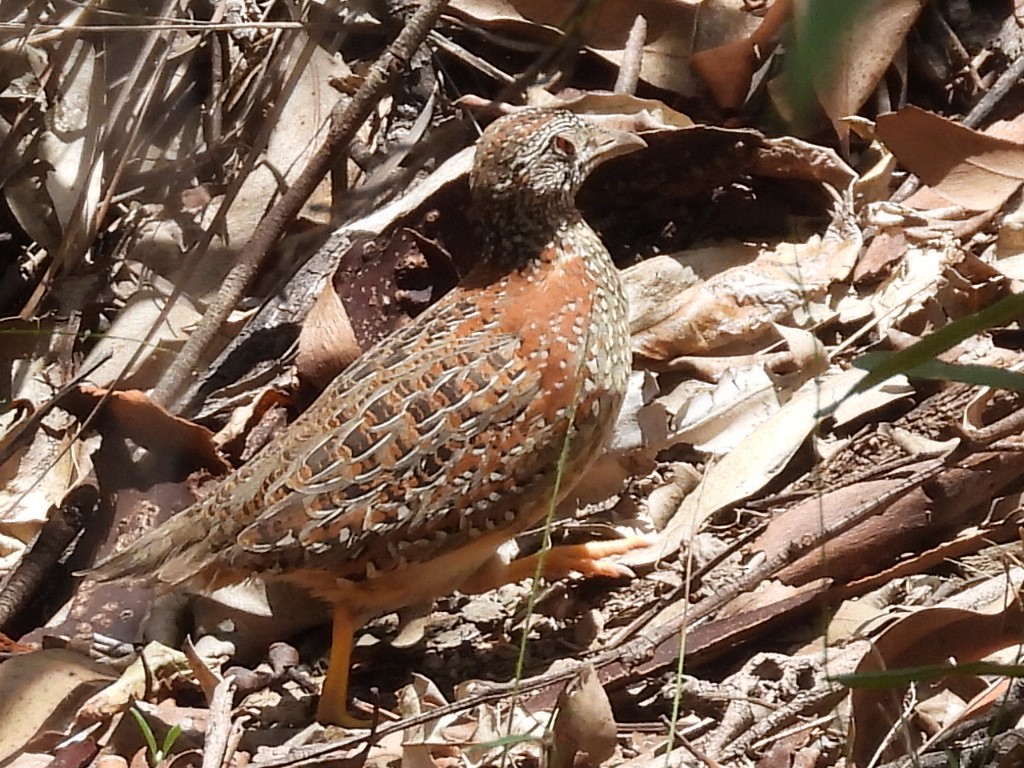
<point>328,713</point>
<point>589,559</point>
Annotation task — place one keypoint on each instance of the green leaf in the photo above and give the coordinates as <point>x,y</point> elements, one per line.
<point>822,26</point>
<point>884,365</point>
<point>172,736</point>
<point>147,734</point>
<point>896,678</point>
<point>982,375</point>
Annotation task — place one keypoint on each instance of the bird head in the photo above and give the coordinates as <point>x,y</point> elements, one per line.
<point>531,163</point>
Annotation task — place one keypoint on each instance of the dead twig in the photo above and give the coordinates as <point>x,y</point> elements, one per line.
<point>218,747</point>
<point>36,567</point>
<point>346,121</point>
<point>632,57</point>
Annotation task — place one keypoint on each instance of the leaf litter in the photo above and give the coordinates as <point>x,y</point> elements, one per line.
<point>838,574</point>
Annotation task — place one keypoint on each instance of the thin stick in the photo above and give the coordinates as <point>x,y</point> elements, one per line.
<point>632,57</point>
<point>218,749</point>
<point>346,121</point>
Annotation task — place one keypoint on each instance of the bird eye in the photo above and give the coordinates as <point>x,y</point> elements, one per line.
<point>564,145</point>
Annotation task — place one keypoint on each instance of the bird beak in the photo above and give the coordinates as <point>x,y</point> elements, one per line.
<point>612,143</point>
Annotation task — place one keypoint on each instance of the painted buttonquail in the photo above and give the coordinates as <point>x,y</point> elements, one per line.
<point>450,436</point>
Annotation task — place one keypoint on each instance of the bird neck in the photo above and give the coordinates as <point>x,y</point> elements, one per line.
<point>524,242</point>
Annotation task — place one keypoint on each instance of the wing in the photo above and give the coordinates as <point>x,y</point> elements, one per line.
<point>430,434</point>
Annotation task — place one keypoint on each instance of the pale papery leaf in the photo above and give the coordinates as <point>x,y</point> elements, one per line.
<point>865,51</point>
<point>303,123</point>
<point>736,308</point>
<point>71,146</point>
<point>717,421</point>
<point>855,407</point>
<point>914,283</point>
<point>759,458</point>
<point>933,635</point>
<point>670,31</point>
<point>969,168</point>
<point>131,329</point>
<point>35,686</point>
<point>163,667</point>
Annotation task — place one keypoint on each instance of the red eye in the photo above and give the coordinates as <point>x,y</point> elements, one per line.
<point>564,145</point>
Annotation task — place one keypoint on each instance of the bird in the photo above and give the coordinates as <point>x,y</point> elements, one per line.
<point>449,437</point>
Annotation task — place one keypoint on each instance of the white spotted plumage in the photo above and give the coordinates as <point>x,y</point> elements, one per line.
<point>451,428</point>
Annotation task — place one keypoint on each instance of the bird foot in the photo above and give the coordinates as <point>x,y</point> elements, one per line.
<point>329,712</point>
<point>333,706</point>
<point>589,560</point>
<point>586,559</point>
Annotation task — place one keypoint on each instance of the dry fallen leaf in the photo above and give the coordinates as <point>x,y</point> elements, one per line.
<point>327,342</point>
<point>129,338</point>
<point>761,456</point>
<point>584,730</point>
<point>669,39</point>
<point>162,667</point>
<point>301,124</point>
<point>929,636</point>
<point>735,309</point>
<point>866,50</point>
<point>968,168</point>
<point>130,412</point>
<point>727,69</point>
<point>43,689</point>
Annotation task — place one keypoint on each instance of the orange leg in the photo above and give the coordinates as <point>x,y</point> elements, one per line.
<point>333,707</point>
<point>584,559</point>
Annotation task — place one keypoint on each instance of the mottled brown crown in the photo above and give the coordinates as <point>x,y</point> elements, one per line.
<point>527,170</point>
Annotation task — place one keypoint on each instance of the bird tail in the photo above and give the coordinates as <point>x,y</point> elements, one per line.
<point>165,553</point>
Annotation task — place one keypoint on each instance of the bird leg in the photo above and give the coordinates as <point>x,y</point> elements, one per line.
<point>588,560</point>
<point>333,706</point>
